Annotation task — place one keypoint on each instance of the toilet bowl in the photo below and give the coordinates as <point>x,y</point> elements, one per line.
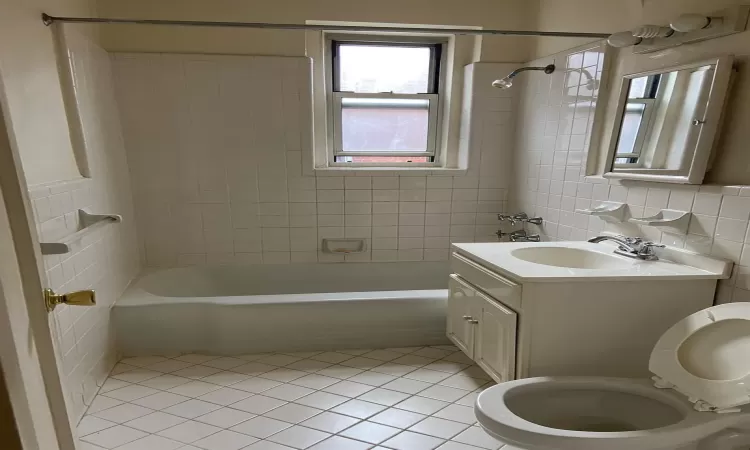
<point>696,399</point>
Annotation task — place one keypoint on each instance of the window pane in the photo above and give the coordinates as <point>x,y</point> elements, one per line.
<point>638,87</point>
<point>392,125</point>
<point>631,123</point>
<point>384,68</point>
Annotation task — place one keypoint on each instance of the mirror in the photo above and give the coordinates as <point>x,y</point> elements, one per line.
<point>667,121</point>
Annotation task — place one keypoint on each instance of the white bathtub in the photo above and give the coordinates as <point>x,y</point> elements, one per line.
<point>294,307</point>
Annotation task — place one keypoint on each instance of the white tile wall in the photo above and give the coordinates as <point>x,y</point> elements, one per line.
<point>106,260</point>
<point>552,141</point>
<point>215,145</point>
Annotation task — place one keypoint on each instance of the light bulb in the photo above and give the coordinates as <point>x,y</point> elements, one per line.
<point>690,22</point>
<point>652,31</point>
<point>623,39</point>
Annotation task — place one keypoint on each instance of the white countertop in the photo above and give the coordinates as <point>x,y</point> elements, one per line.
<point>674,264</point>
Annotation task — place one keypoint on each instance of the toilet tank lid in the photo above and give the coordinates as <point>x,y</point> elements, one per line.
<point>706,356</point>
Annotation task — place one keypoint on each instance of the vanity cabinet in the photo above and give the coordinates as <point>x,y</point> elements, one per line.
<point>527,326</point>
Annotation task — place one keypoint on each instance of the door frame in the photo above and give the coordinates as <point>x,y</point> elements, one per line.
<point>28,356</point>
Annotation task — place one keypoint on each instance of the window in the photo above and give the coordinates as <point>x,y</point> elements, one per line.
<point>384,100</point>
<point>636,120</point>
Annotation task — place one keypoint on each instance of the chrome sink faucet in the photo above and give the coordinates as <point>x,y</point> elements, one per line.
<point>521,236</point>
<point>520,217</point>
<point>632,247</point>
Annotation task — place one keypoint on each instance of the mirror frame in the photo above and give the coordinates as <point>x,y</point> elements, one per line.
<point>696,170</point>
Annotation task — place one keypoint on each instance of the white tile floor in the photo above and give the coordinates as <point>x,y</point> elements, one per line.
<point>417,398</point>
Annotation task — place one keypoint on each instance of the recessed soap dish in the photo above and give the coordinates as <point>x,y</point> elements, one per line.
<point>612,212</point>
<point>344,246</point>
<point>668,219</point>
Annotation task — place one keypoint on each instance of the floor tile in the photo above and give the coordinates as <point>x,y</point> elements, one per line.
<point>196,372</point>
<point>309,365</point>
<point>446,366</point>
<point>253,356</point>
<point>114,436</point>
<point>384,397</point>
<point>161,400</point>
<point>457,413</point>
<point>479,438</point>
<point>189,432</point>
<point>261,427</point>
<point>192,409</point>
<point>267,445</point>
<point>413,441</point>
<point>372,378</point>
<point>437,427</point>
<point>195,358</point>
<point>322,400</point>
<point>225,396</point>
<point>396,370</point>
<point>256,385</point>
<point>130,393</point>
<point>413,360</point>
<point>299,437</point>
<point>422,405</point>
<point>92,424</point>
<point>427,375</point>
<point>170,365</point>
<point>339,371</point>
<point>194,389</point>
<point>383,355</point>
<point>358,409</point>
<point>279,360</point>
<point>348,388</point>
<point>370,432</point>
<point>315,381</point>
<point>340,443</point>
<point>463,382</point>
<point>293,413</point>
<point>254,368</point>
<point>123,413</point>
<point>431,352</point>
<point>404,350</point>
<point>475,372</point>
<point>165,382</point>
<point>360,362</point>
<point>397,418</point>
<point>152,442</point>
<point>101,403</point>
<point>284,375</point>
<point>225,417</point>
<point>121,368</point>
<point>225,440</point>
<point>111,384</point>
<point>225,363</point>
<point>406,385</point>
<point>459,357</point>
<point>302,354</point>
<point>332,357</point>
<point>143,361</point>
<point>155,422</point>
<point>288,392</point>
<point>444,393</point>
<point>355,351</point>
<point>451,445</point>
<point>330,422</point>
<point>467,400</point>
<point>258,404</point>
<point>226,378</point>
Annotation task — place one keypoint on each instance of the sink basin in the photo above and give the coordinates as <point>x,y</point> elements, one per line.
<point>574,258</point>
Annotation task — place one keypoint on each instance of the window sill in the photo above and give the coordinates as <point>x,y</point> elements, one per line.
<point>379,170</point>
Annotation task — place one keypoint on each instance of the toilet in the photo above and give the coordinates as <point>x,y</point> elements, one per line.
<point>696,400</point>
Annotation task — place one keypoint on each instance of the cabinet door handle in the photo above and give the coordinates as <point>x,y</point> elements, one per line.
<point>467,317</point>
<point>474,321</point>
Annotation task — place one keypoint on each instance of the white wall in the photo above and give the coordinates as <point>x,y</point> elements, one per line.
<point>502,14</point>
<point>553,136</point>
<point>105,261</point>
<point>215,145</point>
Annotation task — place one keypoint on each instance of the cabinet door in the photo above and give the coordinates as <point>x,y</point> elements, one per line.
<point>461,303</point>
<point>495,347</point>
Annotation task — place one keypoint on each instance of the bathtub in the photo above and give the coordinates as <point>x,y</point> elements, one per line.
<point>244,309</point>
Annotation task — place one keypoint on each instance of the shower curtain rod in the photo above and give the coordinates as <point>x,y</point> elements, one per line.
<point>49,20</point>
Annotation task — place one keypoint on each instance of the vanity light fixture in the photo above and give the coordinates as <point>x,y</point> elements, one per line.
<point>692,22</point>
<point>652,31</point>
<point>623,39</point>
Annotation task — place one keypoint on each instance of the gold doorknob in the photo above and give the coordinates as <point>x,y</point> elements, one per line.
<point>78,298</point>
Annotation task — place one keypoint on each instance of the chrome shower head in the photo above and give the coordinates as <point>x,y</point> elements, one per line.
<point>505,83</point>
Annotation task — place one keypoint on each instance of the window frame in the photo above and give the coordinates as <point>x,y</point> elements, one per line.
<point>649,100</point>
<point>436,98</point>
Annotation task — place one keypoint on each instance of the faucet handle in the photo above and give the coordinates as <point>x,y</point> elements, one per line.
<point>632,240</point>
<point>646,251</point>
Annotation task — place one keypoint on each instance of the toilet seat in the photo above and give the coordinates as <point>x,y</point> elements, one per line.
<point>706,356</point>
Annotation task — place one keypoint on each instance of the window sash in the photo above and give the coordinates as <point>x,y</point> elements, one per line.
<point>643,130</point>
<point>432,111</point>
